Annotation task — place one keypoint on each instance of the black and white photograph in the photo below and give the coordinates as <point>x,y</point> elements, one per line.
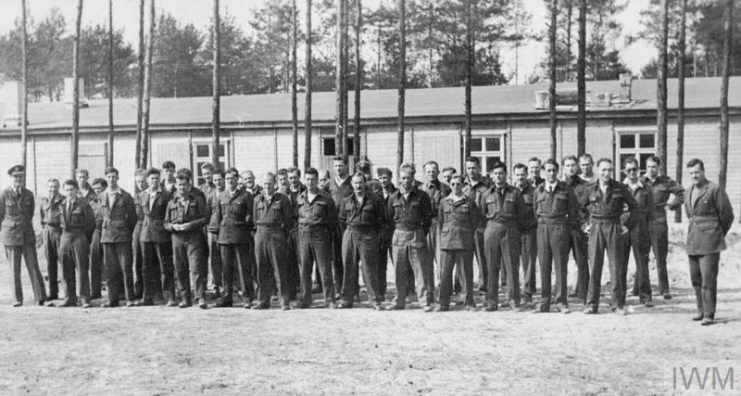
<point>386,197</point>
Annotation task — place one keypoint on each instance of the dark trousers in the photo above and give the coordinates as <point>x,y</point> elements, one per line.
<point>384,251</point>
<point>216,261</point>
<point>158,270</point>
<point>659,232</point>
<point>237,260</point>
<point>360,244</point>
<point>480,252</point>
<point>189,254</point>
<point>337,266</point>
<point>579,245</point>
<point>27,252</point>
<point>636,239</point>
<point>138,261</point>
<point>704,276</point>
<point>315,245</point>
<point>410,251</point>
<point>553,254</point>
<point>75,253</point>
<point>118,262</point>
<point>432,238</point>
<point>528,256</point>
<point>502,245</point>
<point>97,267</point>
<point>605,236</point>
<point>272,268</point>
<point>449,259</point>
<point>294,274</point>
<point>50,236</point>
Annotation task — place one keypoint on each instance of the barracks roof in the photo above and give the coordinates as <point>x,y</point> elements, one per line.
<point>701,93</point>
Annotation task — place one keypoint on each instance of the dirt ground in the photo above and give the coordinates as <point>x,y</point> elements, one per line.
<point>159,350</point>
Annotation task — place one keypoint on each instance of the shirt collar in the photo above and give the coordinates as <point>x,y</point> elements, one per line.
<point>638,184</point>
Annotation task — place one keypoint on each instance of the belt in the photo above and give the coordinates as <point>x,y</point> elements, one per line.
<point>553,220</point>
<point>313,227</point>
<point>704,219</point>
<point>269,226</point>
<point>502,223</point>
<point>604,219</point>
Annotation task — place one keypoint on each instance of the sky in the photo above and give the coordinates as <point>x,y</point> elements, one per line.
<point>198,12</point>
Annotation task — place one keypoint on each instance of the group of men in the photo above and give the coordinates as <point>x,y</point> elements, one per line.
<point>290,237</point>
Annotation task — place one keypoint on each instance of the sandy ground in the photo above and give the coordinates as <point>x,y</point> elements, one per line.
<point>159,350</point>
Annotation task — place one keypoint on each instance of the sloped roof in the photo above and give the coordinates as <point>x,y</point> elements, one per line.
<point>701,93</point>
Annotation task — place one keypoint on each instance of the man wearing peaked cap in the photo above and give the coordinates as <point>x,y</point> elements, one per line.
<point>17,235</point>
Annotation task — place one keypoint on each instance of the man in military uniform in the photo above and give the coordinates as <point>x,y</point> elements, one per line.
<point>504,209</point>
<point>448,173</point>
<point>97,265</point>
<point>637,224</point>
<point>325,181</point>
<point>317,218</point>
<point>211,190</point>
<point>578,241</point>
<point>663,188</point>
<point>387,230</point>
<point>371,183</point>
<point>363,215</point>
<point>272,214</point>
<point>607,198</point>
<point>529,247</point>
<point>557,212</point>
<point>233,218</point>
<point>586,165</point>
<point>474,186</point>
<point>86,190</point>
<point>78,224</point>
<point>534,167</point>
<point>18,237</point>
<point>710,215</point>
<point>168,180</point>
<point>119,219</point>
<point>458,219</point>
<point>185,217</point>
<point>411,212</point>
<point>436,190</point>
<point>50,213</point>
<point>140,184</point>
<point>340,187</point>
<point>156,244</point>
<point>248,178</point>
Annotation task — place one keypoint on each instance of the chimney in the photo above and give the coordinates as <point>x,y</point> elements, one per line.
<point>69,94</point>
<point>11,96</point>
<point>626,85</point>
<point>542,99</point>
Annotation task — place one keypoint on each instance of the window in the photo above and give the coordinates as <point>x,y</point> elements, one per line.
<point>329,149</point>
<point>488,149</point>
<point>638,145</point>
<point>202,153</point>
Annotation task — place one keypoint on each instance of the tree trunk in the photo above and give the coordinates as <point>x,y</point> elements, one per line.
<point>140,86</point>
<point>727,48</point>
<point>147,89</point>
<point>402,81</point>
<point>345,73</point>
<point>75,142</point>
<point>339,130</point>
<point>661,106</point>
<point>552,72</point>
<point>469,72</point>
<point>569,13</point>
<point>216,99</point>
<point>358,78</point>
<point>680,99</point>
<point>581,86</point>
<point>110,83</point>
<point>307,103</point>
<point>24,82</point>
<point>294,76</point>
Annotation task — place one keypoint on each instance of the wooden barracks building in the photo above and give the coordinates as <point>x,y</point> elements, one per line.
<point>511,123</point>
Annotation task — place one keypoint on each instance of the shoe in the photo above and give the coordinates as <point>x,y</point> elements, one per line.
<point>172,303</point>
<point>247,305</point>
<point>130,303</point>
<point>396,307</point>
<point>377,306</point>
<point>427,308</point>
<point>563,309</point>
<point>303,306</point>
<point>330,305</point>
<point>667,296</point>
<point>648,304</point>
<point>68,303</point>
<point>53,297</point>
<point>147,302</point>
<point>18,304</point>
<point>707,321</point>
<point>491,307</point>
<point>223,303</point>
<point>202,303</point>
<point>41,303</point>
<point>184,304</point>
<point>621,311</point>
<point>698,317</point>
<point>50,304</point>
<point>442,308</point>
<point>590,311</point>
<point>286,307</point>
<point>110,304</point>
<point>86,304</point>
<point>344,305</point>
<point>261,306</point>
